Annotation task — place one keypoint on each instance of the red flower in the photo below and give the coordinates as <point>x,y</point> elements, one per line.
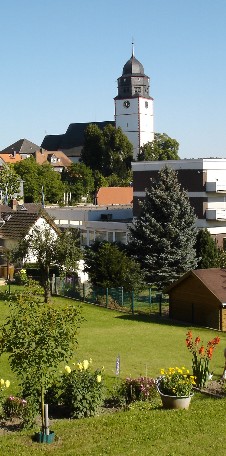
<point>197,340</point>
<point>202,350</point>
<point>210,352</point>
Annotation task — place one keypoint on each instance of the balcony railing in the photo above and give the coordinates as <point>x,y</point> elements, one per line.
<point>216,187</point>
<point>216,214</point>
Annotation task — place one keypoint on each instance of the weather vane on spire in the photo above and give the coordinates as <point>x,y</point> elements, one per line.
<point>132,47</point>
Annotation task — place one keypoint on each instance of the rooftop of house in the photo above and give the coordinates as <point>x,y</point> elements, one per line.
<point>114,195</point>
<point>11,158</point>
<point>22,146</point>
<point>16,223</point>
<point>214,279</point>
<point>55,158</point>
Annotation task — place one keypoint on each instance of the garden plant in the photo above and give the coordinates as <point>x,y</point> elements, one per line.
<point>201,357</point>
<point>143,428</point>
<point>38,337</point>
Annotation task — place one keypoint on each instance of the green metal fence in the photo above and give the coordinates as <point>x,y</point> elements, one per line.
<point>148,301</point>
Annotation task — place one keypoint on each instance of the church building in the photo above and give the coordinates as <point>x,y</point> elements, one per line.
<point>133,114</point>
<point>134,105</point>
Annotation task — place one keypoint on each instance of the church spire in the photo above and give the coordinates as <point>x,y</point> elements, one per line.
<point>132,48</point>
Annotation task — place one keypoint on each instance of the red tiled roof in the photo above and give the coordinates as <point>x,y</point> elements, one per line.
<point>10,158</point>
<point>45,156</point>
<point>114,195</point>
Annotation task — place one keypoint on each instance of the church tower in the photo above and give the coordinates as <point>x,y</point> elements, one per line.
<point>134,105</point>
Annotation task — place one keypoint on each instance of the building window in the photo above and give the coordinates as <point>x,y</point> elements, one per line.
<point>120,236</point>
<point>110,236</point>
<point>137,89</point>
<point>224,244</point>
<point>101,236</point>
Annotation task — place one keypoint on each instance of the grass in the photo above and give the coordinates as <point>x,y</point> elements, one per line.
<point>145,346</point>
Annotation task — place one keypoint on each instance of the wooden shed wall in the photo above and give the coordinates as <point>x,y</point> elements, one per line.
<point>192,302</point>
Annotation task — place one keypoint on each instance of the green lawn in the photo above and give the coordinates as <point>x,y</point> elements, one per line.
<point>145,346</point>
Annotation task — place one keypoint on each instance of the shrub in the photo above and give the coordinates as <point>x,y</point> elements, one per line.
<point>83,390</point>
<point>3,386</point>
<point>21,277</point>
<point>25,410</point>
<point>139,389</point>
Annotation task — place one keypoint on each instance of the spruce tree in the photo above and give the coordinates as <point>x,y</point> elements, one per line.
<point>163,236</point>
<point>206,250</point>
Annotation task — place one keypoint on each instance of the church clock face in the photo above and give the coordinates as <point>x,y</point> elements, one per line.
<point>126,104</point>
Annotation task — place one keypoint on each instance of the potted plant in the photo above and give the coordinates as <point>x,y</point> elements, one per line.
<point>175,386</point>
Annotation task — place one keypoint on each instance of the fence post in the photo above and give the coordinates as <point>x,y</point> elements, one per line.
<point>160,304</point>
<point>132,302</point>
<point>122,297</point>
<point>149,295</point>
<point>106,297</point>
<point>83,291</point>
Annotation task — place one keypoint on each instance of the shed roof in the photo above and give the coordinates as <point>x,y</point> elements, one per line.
<point>214,279</point>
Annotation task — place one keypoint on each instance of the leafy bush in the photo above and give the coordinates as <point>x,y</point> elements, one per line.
<point>21,277</point>
<point>3,386</point>
<point>139,389</point>
<point>83,390</point>
<point>25,410</point>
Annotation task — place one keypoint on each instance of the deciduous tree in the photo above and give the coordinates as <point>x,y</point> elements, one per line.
<point>38,338</point>
<point>79,181</point>
<point>49,248</point>
<point>107,151</point>
<point>9,182</point>
<point>38,179</point>
<point>162,148</point>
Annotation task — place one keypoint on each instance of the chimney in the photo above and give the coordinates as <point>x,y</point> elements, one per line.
<point>13,204</point>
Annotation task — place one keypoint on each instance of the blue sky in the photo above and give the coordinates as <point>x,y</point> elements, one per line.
<point>60,60</point>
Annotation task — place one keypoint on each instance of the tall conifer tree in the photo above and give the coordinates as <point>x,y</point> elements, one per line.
<point>163,236</point>
<point>207,251</point>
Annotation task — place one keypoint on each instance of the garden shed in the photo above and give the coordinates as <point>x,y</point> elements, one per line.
<point>199,297</point>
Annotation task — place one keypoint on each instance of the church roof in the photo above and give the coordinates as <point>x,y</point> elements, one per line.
<point>133,67</point>
<point>74,136</point>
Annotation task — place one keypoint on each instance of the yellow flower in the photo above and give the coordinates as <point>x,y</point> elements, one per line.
<point>98,378</point>
<point>79,366</point>
<point>90,360</point>
<point>68,369</point>
<point>2,382</point>
<point>162,372</point>
<point>85,364</point>
<point>7,383</point>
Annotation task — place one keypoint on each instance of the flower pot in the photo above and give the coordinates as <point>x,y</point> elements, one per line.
<point>41,437</point>
<point>174,402</point>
